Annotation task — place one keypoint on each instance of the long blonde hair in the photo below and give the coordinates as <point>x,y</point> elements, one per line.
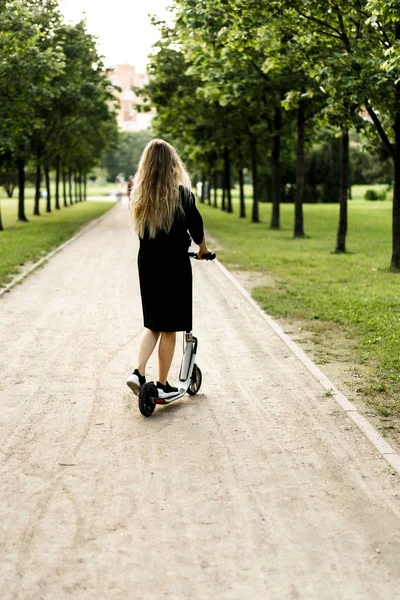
<point>155,193</point>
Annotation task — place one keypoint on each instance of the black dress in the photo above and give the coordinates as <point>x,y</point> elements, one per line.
<point>165,272</point>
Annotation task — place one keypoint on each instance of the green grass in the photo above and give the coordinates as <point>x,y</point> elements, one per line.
<point>358,191</point>
<point>355,292</point>
<point>25,242</point>
<point>93,189</point>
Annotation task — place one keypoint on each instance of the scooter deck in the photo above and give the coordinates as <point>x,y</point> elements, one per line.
<point>176,396</point>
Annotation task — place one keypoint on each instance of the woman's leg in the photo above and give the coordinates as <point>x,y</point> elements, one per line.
<point>146,347</point>
<point>166,351</point>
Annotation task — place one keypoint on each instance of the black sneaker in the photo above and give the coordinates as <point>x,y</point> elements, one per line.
<point>135,381</point>
<point>166,391</point>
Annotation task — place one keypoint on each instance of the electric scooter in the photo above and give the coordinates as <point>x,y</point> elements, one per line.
<point>190,376</point>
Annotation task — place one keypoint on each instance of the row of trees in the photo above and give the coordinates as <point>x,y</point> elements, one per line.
<point>253,83</point>
<point>321,173</point>
<point>56,108</point>
<point>122,159</point>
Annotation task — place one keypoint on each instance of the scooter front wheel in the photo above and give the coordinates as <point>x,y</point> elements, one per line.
<point>195,382</point>
<point>147,394</point>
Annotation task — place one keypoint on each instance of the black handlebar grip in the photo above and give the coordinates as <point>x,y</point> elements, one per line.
<point>207,256</point>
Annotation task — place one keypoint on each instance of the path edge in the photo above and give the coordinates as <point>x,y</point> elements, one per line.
<point>42,260</point>
<point>380,444</point>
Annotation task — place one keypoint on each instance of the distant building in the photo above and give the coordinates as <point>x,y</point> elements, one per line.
<point>128,117</point>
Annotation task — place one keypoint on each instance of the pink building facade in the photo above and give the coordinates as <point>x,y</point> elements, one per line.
<point>128,116</point>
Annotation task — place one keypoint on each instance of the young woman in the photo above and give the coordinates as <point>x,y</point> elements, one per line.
<point>163,211</point>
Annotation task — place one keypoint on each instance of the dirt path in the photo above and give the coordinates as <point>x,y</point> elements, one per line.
<point>258,488</point>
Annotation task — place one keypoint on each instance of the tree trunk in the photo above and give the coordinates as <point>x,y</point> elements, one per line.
<point>227,180</point>
<point>215,186</point>
<point>223,207</point>
<point>344,186</point>
<point>76,194</point>
<point>71,198</point>
<point>38,180</point>
<point>85,187</point>
<point>276,170</point>
<point>64,184</point>
<point>58,167</point>
<point>395,262</point>
<point>242,207</point>
<point>1,221</point>
<point>254,176</point>
<point>80,185</point>
<point>9,187</point>
<point>203,188</point>
<point>21,190</point>
<point>209,187</point>
<point>298,201</point>
<point>47,178</point>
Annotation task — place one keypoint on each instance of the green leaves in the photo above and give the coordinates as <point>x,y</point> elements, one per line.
<point>249,56</point>
<point>54,94</point>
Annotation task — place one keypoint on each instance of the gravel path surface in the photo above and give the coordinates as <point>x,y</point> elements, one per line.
<point>258,488</point>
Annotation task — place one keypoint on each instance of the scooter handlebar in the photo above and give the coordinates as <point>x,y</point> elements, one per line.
<point>207,256</point>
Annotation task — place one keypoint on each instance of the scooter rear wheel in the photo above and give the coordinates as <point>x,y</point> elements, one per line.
<point>146,399</point>
<point>195,382</point>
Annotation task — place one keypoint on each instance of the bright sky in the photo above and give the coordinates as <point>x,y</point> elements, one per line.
<point>125,34</point>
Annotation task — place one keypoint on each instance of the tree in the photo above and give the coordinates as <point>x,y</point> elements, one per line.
<point>323,61</point>
<point>125,156</point>
<point>25,79</point>
<point>198,127</point>
<point>57,101</point>
<point>361,43</point>
<point>227,77</point>
<point>382,88</point>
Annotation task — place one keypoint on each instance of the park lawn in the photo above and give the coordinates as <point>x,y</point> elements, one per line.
<point>355,294</point>
<point>21,243</point>
<point>93,189</point>
<point>358,191</point>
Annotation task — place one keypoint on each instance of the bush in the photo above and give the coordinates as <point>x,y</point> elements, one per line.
<point>374,195</point>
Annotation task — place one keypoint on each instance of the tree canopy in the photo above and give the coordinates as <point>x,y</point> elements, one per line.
<point>56,109</point>
<point>259,83</point>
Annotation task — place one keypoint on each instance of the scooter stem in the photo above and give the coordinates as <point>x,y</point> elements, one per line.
<point>187,357</point>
